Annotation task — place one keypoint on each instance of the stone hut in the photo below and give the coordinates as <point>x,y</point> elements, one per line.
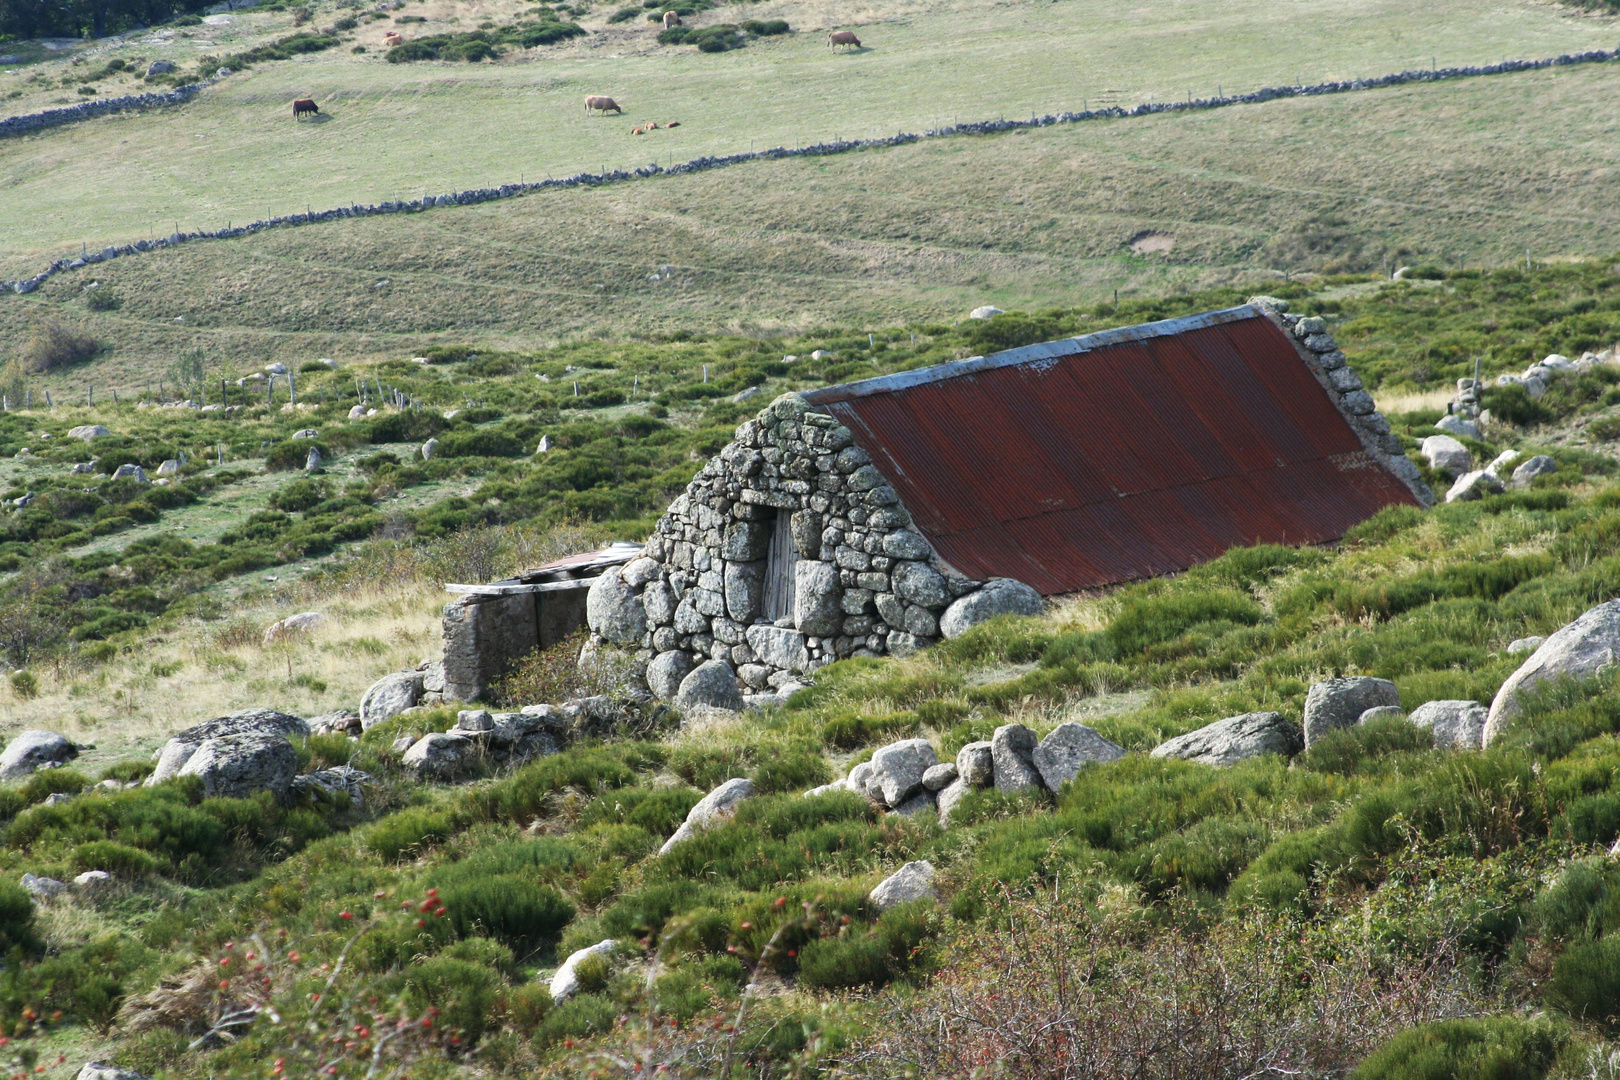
<point>873,518</point>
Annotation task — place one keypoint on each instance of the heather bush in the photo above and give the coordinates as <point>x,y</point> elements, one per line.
<point>1490,1048</point>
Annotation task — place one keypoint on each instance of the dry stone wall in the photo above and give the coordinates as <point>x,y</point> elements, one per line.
<point>865,583</point>
<point>24,124</point>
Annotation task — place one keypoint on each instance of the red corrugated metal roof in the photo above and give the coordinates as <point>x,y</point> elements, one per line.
<point>1120,455</point>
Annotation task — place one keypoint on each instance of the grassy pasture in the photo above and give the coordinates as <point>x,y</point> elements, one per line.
<point>404,129</point>
<point>922,232</point>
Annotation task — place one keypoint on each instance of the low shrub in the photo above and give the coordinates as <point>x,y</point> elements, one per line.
<point>290,454</point>
<point>407,832</point>
<point>55,344</point>
<point>508,907</point>
<point>1148,620</point>
<point>1491,1048</point>
<point>16,918</point>
<point>1585,983</point>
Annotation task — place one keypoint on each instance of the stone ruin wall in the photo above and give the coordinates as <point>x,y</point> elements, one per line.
<point>866,583</point>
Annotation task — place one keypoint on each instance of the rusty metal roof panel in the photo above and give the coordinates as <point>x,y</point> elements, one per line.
<point>1120,455</point>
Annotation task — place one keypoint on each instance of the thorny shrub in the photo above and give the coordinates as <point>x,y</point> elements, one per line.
<point>1076,988</point>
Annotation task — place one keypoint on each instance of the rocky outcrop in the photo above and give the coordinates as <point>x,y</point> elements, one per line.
<point>975,763</point>
<point>43,888</point>
<point>1381,712</point>
<point>1067,749</point>
<point>292,626</point>
<point>1540,465</point>
<point>1235,739</point>
<point>342,785</point>
<point>1446,455</point>
<point>439,755</point>
<point>87,432</point>
<point>390,696</point>
<point>1339,703</point>
<point>237,766</point>
<point>565,983</point>
<point>912,882</point>
<point>1457,725</point>
<point>999,596</point>
<point>33,749</point>
<point>897,770</point>
<point>255,723</point>
<point>1474,485</point>
<point>1579,651</point>
<point>718,805</point>
<point>1012,749</point>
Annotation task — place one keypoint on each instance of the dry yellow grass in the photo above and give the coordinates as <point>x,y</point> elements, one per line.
<point>1413,400</point>
<point>200,669</point>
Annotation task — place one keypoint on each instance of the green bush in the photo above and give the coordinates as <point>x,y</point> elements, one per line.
<point>291,454</point>
<point>766,28</point>
<point>16,918</point>
<point>1494,1048</point>
<point>581,1016</point>
<point>466,994</point>
<point>1585,983</point>
<point>888,951</point>
<point>509,907</point>
<point>849,731</point>
<point>407,832</point>
<point>119,860</point>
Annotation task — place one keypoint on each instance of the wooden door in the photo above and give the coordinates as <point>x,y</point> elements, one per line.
<point>780,560</point>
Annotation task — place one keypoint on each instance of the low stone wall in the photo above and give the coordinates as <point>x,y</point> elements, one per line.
<point>841,146</point>
<point>28,123</point>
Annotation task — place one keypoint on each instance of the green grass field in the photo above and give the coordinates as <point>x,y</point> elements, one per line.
<point>404,129</point>
<point>1024,220</point>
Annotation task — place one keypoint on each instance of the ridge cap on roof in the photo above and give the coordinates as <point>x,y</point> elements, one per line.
<point>1047,350</point>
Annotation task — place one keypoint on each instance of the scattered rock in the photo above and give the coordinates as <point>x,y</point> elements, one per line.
<point>438,755</point>
<point>32,750</point>
<point>1339,703</point>
<point>1457,725</point>
<point>130,472</point>
<point>338,782</point>
<point>939,776</point>
<point>923,800</point>
<point>1382,712</point>
<point>1540,465</point>
<point>293,625</point>
<point>898,769</point>
<point>827,789</point>
<point>1458,426</point>
<point>975,763</point>
<point>1235,739</point>
<point>180,748</point>
<point>1067,749</point>
<point>390,696</point>
<point>950,796</point>
<point>169,467</point>
<point>339,722</point>
<point>236,766</point>
<point>716,806</point>
<point>430,449</point>
<point>43,888</point>
<point>159,67</point>
<point>985,312</point>
<point>565,983</point>
<point>861,781</point>
<point>1578,651</point>
<point>1446,455</point>
<point>403,743</point>
<point>1524,645</point>
<point>88,432</point>
<point>913,881</point>
<point>102,1070</point>
<point>711,685</point>
<point>998,596</point>
<point>1473,485</point>
<point>1012,748</point>
<point>93,882</point>
<point>665,673</point>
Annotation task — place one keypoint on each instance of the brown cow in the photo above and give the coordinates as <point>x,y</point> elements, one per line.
<point>601,103</point>
<point>304,105</point>
<point>392,38</point>
<point>671,19</point>
<point>843,37</point>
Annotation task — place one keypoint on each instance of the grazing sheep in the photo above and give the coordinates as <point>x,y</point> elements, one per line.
<point>600,103</point>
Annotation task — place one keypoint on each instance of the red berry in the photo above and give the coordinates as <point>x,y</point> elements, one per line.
<point>345,914</point>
